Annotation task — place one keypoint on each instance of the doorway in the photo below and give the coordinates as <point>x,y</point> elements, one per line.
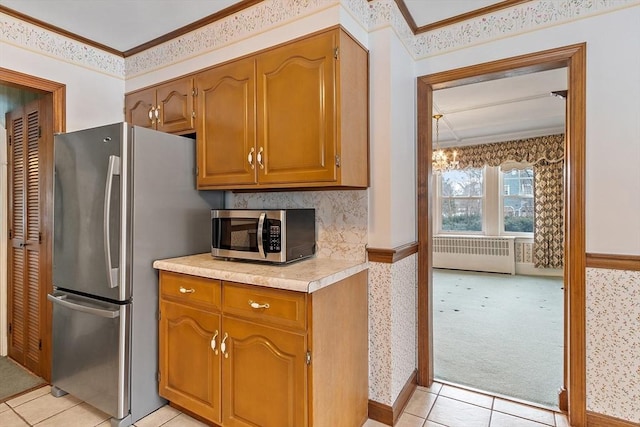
<point>573,397</point>
<point>50,120</point>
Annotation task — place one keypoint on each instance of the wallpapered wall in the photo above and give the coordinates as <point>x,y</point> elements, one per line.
<point>613,343</point>
<point>341,217</point>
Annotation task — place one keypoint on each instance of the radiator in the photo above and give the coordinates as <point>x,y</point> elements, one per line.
<point>475,253</point>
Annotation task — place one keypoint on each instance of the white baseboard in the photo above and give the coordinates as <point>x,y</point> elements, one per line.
<point>527,269</point>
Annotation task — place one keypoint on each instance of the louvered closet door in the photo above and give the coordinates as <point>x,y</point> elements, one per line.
<point>24,245</point>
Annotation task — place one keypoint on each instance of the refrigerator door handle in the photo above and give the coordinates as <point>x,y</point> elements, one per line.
<point>62,300</point>
<point>112,170</point>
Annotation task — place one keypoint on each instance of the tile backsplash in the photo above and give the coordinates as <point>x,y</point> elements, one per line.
<point>341,217</point>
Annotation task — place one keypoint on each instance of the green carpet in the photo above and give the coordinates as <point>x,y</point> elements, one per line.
<point>499,333</point>
<point>14,379</point>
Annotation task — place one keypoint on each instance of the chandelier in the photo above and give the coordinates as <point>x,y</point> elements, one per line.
<point>440,159</point>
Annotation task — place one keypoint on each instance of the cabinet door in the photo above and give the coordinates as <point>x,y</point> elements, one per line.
<point>138,108</point>
<point>264,376</point>
<point>296,111</point>
<point>226,124</point>
<point>174,106</point>
<point>189,365</point>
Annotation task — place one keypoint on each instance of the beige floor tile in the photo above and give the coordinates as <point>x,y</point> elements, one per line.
<point>467,396</point>
<point>561,420</point>
<point>4,407</point>
<point>106,423</point>
<point>34,394</point>
<point>498,419</point>
<point>420,403</point>
<point>524,411</point>
<point>183,420</point>
<point>82,415</point>
<point>10,419</point>
<point>454,413</point>
<point>435,388</point>
<point>159,417</point>
<point>408,420</point>
<point>45,406</point>
<point>373,423</point>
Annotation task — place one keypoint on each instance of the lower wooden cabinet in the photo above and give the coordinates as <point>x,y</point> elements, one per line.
<point>190,372</point>
<point>265,376</point>
<point>243,355</point>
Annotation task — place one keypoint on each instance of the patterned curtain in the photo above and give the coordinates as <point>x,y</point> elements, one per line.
<point>548,237</point>
<point>546,154</point>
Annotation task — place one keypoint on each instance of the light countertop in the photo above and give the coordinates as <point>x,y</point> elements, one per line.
<point>303,276</point>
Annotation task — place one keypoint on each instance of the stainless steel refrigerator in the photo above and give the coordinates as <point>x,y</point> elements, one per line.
<point>124,196</point>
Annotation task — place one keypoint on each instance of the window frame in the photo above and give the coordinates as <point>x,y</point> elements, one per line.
<point>492,202</point>
<point>501,195</point>
<point>438,206</point>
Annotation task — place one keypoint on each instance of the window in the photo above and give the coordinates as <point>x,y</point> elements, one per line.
<point>517,200</point>
<point>462,193</point>
<point>485,201</point>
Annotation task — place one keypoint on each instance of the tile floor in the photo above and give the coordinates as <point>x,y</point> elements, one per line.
<point>438,406</point>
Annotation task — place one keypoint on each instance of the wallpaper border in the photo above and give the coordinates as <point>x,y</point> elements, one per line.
<point>269,14</point>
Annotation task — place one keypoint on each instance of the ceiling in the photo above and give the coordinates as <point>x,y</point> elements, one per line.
<point>498,110</point>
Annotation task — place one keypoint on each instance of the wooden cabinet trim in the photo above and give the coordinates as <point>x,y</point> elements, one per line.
<point>614,262</point>
<point>390,256</point>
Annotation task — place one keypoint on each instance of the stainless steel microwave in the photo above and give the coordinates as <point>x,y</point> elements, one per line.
<point>271,235</point>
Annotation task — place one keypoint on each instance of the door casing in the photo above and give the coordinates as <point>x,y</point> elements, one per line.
<point>573,57</point>
<point>58,94</point>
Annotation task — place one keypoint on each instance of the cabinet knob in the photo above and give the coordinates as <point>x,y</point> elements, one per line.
<point>184,290</point>
<point>157,114</point>
<point>257,305</point>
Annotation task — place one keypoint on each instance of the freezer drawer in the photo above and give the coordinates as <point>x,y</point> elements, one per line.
<point>90,351</point>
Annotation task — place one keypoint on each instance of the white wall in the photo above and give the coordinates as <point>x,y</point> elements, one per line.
<point>392,202</point>
<point>613,115</point>
<point>93,98</point>
<point>403,140</point>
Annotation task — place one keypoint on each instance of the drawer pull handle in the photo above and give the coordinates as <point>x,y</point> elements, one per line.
<point>223,346</point>
<point>184,290</point>
<point>213,343</point>
<point>257,305</point>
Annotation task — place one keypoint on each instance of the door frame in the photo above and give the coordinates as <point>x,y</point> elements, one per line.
<point>58,95</point>
<point>573,57</point>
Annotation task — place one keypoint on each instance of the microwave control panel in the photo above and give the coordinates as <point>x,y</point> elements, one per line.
<point>274,238</point>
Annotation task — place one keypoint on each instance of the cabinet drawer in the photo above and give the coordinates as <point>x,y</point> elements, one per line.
<point>284,308</point>
<point>190,289</point>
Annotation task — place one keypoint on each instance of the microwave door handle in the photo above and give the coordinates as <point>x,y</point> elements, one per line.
<point>263,217</point>
<point>113,169</point>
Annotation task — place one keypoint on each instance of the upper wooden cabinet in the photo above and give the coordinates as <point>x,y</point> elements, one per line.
<point>168,107</point>
<point>292,116</point>
<point>226,127</point>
